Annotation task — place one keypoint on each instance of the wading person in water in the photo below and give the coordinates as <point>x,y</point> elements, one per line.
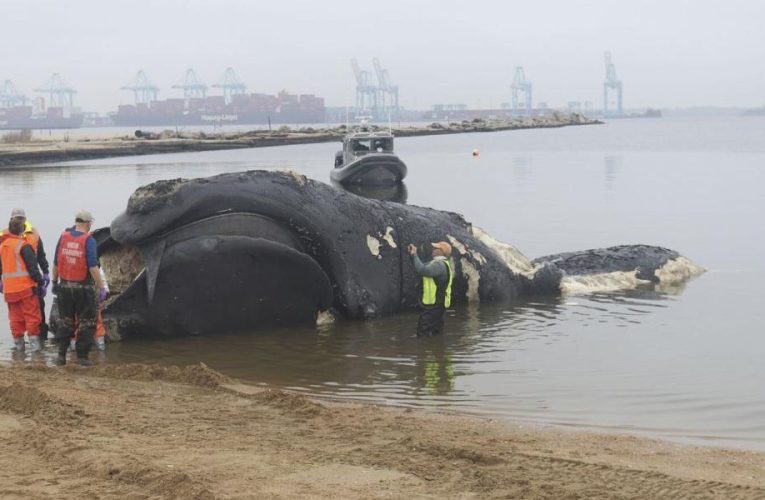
<point>80,290</point>
<point>22,283</point>
<point>32,236</point>
<point>436,287</point>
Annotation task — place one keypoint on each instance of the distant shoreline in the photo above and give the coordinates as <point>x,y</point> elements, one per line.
<point>32,152</point>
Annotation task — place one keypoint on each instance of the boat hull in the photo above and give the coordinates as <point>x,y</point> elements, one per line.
<point>374,169</point>
<point>396,193</point>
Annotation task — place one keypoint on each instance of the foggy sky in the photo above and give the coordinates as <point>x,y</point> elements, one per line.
<point>668,53</point>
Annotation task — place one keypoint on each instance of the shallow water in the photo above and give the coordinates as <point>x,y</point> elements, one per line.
<point>685,365</point>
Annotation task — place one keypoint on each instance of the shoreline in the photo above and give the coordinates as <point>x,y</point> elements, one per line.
<point>41,151</point>
<point>170,432</point>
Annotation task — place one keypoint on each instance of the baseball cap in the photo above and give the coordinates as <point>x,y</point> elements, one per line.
<point>84,216</point>
<point>18,212</point>
<point>444,247</point>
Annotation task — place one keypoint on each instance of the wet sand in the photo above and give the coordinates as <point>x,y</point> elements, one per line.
<point>58,149</point>
<point>138,431</point>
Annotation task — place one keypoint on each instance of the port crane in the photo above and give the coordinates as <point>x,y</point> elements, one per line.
<point>231,85</point>
<point>60,92</point>
<point>192,86</point>
<point>144,92</point>
<point>611,83</point>
<point>521,86</point>
<point>366,92</point>
<point>10,96</point>
<point>386,91</point>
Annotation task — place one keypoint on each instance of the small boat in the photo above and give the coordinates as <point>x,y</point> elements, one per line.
<point>368,159</point>
<point>396,193</point>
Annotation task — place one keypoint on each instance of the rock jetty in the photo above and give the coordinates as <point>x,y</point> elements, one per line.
<point>17,149</point>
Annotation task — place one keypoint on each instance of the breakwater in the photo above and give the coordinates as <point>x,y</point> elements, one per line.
<point>20,149</point>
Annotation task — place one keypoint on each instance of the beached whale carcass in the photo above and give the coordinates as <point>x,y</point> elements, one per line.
<point>239,251</point>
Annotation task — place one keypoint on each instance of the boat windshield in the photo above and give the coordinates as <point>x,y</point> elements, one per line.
<point>377,145</point>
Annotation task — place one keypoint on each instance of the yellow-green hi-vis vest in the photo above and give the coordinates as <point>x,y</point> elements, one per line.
<point>429,288</point>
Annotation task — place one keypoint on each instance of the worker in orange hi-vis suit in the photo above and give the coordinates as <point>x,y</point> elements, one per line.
<point>32,236</point>
<point>21,284</point>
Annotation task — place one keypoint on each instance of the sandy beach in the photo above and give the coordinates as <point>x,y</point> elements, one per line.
<point>139,431</point>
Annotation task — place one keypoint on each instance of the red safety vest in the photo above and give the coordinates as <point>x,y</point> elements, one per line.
<point>72,259</point>
<point>15,274</point>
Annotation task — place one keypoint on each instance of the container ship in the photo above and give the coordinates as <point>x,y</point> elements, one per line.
<point>23,117</point>
<point>242,109</point>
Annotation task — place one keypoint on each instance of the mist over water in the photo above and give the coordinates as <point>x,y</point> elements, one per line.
<point>680,363</point>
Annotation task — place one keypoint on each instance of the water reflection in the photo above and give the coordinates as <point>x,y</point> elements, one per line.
<point>396,193</point>
<point>522,166</point>
<point>435,373</point>
<point>382,360</point>
<point>612,166</point>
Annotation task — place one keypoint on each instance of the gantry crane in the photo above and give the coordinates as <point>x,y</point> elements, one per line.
<point>10,96</point>
<point>521,85</point>
<point>61,94</point>
<point>144,92</point>
<point>386,91</point>
<point>192,86</point>
<point>366,92</point>
<point>611,83</point>
<point>231,85</point>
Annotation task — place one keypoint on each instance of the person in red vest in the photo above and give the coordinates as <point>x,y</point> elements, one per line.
<point>77,283</point>
<point>21,284</point>
<point>32,236</point>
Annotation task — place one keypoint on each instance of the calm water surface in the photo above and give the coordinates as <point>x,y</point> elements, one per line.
<point>686,366</point>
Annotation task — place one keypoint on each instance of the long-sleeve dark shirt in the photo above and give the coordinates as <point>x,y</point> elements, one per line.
<point>42,259</point>
<point>435,269</point>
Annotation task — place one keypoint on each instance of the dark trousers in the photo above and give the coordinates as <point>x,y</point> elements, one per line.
<point>76,306</point>
<point>431,321</point>
<point>43,324</point>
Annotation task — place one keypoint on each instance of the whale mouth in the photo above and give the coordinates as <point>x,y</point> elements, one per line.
<point>255,269</point>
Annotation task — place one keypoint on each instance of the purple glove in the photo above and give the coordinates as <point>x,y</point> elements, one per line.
<point>46,281</point>
<point>40,291</point>
<point>102,295</point>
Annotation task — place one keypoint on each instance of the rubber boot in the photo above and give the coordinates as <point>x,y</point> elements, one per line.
<point>44,332</point>
<point>18,344</point>
<point>101,343</point>
<point>63,346</point>
<point>34,343</point>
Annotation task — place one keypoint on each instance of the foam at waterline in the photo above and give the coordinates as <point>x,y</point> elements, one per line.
<point>678,270</point>
<point>325,318</point>
<point>511,256</point>
<point>674,272</point>
<point>604,282</point>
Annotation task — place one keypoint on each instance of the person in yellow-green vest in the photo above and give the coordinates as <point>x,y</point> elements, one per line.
<point>436,287</point>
